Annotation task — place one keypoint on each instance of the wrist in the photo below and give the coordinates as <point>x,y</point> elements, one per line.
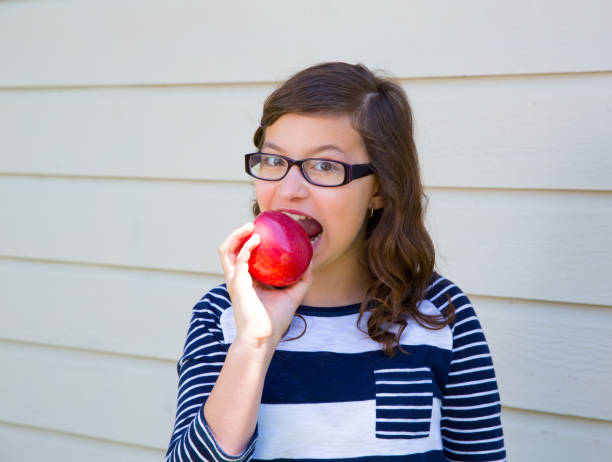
<point>260,350</point>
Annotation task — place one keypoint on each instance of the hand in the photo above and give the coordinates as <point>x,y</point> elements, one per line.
<point>262,314</point>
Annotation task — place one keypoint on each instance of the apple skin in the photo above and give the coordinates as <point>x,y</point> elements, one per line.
<point>284,251</point>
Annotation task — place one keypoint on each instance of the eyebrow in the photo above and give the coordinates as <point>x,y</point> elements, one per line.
<point>317,150</point>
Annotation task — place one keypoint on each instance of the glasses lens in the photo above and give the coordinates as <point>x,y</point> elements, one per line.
<point>324,172</point>
<point>267,166</point>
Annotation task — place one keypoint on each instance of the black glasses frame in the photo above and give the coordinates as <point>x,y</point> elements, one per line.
<point>351,171</point>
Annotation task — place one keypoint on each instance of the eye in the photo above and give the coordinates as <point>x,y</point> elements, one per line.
<point>327,166</point>
<point>272,161</point>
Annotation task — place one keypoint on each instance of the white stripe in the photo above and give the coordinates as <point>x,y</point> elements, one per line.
<point>480,406</point>
<point>470,345</point>
<point>194,448</point>
<point>420,369</point>
<point>403,433</point>
<point>472,395</point>
<point>211,438</point>
<point>209,312</point>
<point>199,326</point>
<point>177,431</point>
<point>299,429</point>
<point>400,382</point>
<point>463,307</point>
<point>195,366</point>
<point>194,386</point>
<point>215,353</point>
<point>399,406</point>
<point>469,371</point>
<point>189,414</point>
<point>473,419</point>
<point>178,452</point>
<point>472,441</point>
<point>222,297</point>
<point>473,382</point>
<point>401,419</point>
<point>338,334</point>
<point>194,397</point>
<point>473,430</point>
<point>469,358</point>
<point>214,305</point>
<point>196,377</point>
<point>460,294</point>
<point>475,331</point>
<point>210,320</point>
<point>453,460</point>
<point>403,394</point>
<point>446,289</point>
<point>474,452</point>
<point>471,318</point>
<point>435,283</point>
<point>205,334</point>
<point>204,346</point>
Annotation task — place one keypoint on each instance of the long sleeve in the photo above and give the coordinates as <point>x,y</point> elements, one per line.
<point>198,369</point>
<point>471,408</point>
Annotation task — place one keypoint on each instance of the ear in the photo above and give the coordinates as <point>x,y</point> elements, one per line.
<point>377,201</point>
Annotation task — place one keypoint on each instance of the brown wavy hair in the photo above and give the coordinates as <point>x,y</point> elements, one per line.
<point>400,255</point>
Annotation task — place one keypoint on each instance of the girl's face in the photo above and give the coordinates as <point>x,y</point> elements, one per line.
<point>341,211</point>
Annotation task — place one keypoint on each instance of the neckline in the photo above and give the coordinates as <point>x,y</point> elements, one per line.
<point>329,311</point>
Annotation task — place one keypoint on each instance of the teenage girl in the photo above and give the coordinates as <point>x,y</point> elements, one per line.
<point>372,355</point>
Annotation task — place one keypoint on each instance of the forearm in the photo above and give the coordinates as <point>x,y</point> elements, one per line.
<point>232,408</point>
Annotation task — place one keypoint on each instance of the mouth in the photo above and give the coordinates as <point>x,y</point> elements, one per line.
<point>311,226</point>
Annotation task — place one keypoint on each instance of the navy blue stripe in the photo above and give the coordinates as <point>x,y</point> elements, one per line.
<point>430,456</point>
<point>331,311</point>
<point>404,413</point>
<point>325,377</point>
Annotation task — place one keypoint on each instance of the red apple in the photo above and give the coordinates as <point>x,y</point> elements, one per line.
<point>284,251</point>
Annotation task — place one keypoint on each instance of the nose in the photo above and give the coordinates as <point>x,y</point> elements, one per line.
<point>294,185</point>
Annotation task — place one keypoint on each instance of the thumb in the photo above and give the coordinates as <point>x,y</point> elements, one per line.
<point>299,289</point>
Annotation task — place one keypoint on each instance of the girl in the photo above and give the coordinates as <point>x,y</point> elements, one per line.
<point>372,355</point>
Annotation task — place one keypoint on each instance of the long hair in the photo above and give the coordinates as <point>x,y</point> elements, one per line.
<point>400,255</point>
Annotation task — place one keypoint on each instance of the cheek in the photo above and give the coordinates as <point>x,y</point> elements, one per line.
<point>263,193</point>
<point>348,211</point>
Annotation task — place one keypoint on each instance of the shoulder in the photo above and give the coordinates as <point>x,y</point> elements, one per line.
<point>212,304</point>
<point>448,297</point>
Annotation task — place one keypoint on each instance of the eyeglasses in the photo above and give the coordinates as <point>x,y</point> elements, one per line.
<point>320,172</point>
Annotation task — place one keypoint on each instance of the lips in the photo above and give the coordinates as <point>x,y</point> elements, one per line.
<point>311,226</point>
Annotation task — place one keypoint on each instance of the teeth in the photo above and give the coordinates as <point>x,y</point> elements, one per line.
<point>295,216</point>
<point>315,239</point>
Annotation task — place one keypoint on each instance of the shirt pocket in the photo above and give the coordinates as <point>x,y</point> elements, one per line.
<point>404,400</point>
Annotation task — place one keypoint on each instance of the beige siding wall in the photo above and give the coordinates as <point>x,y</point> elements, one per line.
<point>122,126</point>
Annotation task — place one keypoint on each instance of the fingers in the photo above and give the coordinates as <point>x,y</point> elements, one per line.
<point>230,247</point>
<point>307,276</point>
<point>299,289</point>
<point>242,259</point>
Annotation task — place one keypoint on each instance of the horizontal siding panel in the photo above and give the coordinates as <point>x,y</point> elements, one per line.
<point>550,357</point>
<point>167,225</point>
<point>79,390</point>
<point>542,132</point>
<point>79,306</point>
<point>535,437</point>
<point>19,444</point>
<point>108,397</point>
<point>521,244</point>
<point>151,132</point>
<point>150,42</point>
<point>525,244</point>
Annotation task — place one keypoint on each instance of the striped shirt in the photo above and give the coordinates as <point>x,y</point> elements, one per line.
<point>333,395</point>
